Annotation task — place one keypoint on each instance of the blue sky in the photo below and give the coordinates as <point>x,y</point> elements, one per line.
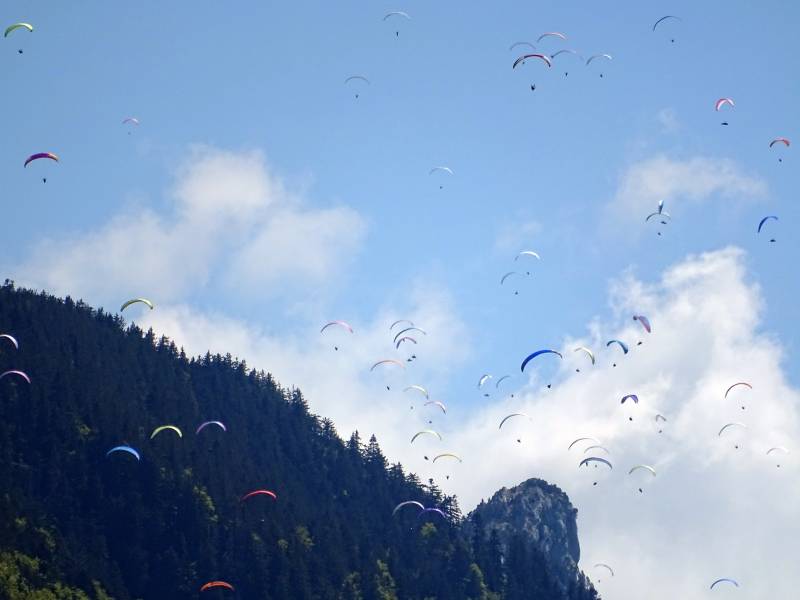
<point>569,170</point>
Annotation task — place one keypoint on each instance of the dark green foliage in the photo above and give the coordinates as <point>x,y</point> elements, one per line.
<point>75,524</point>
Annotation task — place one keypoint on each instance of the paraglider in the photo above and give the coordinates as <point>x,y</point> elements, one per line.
<point>588,352</point>
<point>447,455</point>
<point>442,169</point>
<point>648,468</point>
<point>555,34</point>
<point>660,418</point>
<point>778,449</point>
<point>216,584</point>
<point>408,503</point>
<point>439,404</point>
<point>11,339</point>
<point>399,322</point>
<point>419,389</point>
<point>644,321</point>
<point>530,357</point>
<point>426,432</point>
<point>11,28</point>
<point>528,253</point>
<point>524,57</point>
<point>730,425</point>
<point>357,78</point>
<point>483,379</point>
<point>651,470</point>
<point>40,156</point>
<point>724,102</point>
<point>582,439</point>
<point>342,324</point>
<point>127,449</point>
<point>202,426</point>
<point>590,459</point>
<point>433,510</point>
<point>666,18</point>
<point>387,361</point>
<point>158,430</point>
<point>516,44</point>
<point>506,276</point>
<point>405,339</point>
<point>566,51</point>
<point>723,580</point>
<point>633,397</point>
<point>17,373</point>
<point>254,493</point>
<point>144,301</point>
<point>734,424</point>
<point>130,120</point>
<point>395,14</point>
<point>620,344</point>
<point>512,415</point>
<point>763,221</point>
<point>596,56</point>
<point>605,566</point>
<point>741,383</point>
<point>780,140</point>
<point>406,330</point>
<point>597,447</point>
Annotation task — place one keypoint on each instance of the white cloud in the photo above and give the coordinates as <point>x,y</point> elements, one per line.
<point>298,245</point>
<point>515,236</point>
<point>338,384</point>
<point>713,510</point>
<point>232,220</point>
<point>668,119</point>
<point>695,180</point>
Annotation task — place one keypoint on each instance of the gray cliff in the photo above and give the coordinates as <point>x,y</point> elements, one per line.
<point>543,514</point>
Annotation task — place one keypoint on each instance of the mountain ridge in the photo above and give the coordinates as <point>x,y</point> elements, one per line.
<point>75,523</point>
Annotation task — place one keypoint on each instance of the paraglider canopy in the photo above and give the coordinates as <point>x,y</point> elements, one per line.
<point>599,459</point>
<point>17,373</point>
<point>10,338</point>
<point>158,430</point>
<point>408,503</point>
<point>137,300</point>
<point>644,321</point>
<point>127,449</point>
<point>556,34</point>
<point>426,432</point>
<point>269,493</point>
<point>40,155</point>
<point>530,357</point>
<point>524,57</point>
<point>217,584</point>
<point>722,102</point>
<point>219,424</point>
<point>723,580</point>
<point>15,26</point>
<point>512,415</point>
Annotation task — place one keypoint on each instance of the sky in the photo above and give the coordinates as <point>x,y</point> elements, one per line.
<point>261,197</point>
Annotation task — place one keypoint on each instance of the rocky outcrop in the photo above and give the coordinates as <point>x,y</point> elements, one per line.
<point>543,515</point>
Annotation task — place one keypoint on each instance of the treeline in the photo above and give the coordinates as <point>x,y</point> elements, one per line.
<point>77,524</point>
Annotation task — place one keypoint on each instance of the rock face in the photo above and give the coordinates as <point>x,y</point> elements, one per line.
<point>544,516</point>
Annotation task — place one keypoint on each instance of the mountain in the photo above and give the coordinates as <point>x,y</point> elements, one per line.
<point>534,525</point>
<point>78,523</point>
